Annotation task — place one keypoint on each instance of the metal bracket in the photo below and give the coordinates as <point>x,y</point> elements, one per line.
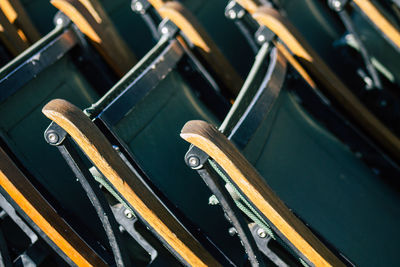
<point>168,28</point>
<point>234,11</point>
<point>140,6</point>
<point>263,35</point>
<point>128,220</point>
<point>196,159</point>
<point>54,134</point>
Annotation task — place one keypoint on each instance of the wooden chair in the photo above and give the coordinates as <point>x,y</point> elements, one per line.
<point>93,21</point>
<point>142,111</point>
<point>188,21</point>
<point>319,75</point>
<point>57,65</point>
<point>43,217</point>
<point>280,155</point>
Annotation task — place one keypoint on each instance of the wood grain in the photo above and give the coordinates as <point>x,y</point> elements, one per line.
<point>379,20</point>
<point>93,21</point>
<point>17,16</point>
<point>138,195</point>
<point>246,178</point>
<point>321,73</point>
<point>25,195</point>
<point>197,35</point>
<point>9,36</point>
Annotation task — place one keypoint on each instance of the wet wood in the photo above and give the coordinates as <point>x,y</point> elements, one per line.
<point>246,178</point>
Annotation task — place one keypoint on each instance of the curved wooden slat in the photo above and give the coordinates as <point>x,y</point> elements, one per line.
<point>193,30</point>
<point>25,195</point>
<point>9,36</point>
<point>376,17</point>
<point>93,21</point>
<point>330,82</point>
<point>138,195</point>
<point>17,16</point>
<point>246,178</point>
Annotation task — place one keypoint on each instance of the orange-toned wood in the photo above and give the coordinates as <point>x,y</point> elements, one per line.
<point>246,178</point>
<point>197,35</point>
<point>10,38</point>
<point>250,5</point>
<point>138,195</point>
<point>16,15</point>
<point>379,20</point>
<point>32,203</point>
<point>93,21</point>
<point>324,76</point>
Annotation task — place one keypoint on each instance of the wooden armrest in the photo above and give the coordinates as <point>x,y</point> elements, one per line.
<point>18,17</point>
<point>190,26</point>
<point>319,71</point>
<point>246,179</point>
<point>93,21</point>
<point>32,203</point>
<point>99,150</point>
<point>9,36</point>
<point>374,15</point>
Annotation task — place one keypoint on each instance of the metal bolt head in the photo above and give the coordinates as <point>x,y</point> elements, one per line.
<point>52,137</point>
<point>128,214</point>
<point>232,231</point>
<point>232,14</point>
<point>261,233</point>
<point>164,30</point>
<point>138,6</point>
<point>59,21</point>
<point>193,162</point>
<point>261,38</point>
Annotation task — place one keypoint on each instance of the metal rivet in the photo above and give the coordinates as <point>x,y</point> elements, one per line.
<point>138,6</point>
<point>232,14</point>
<point>213,200</point>
<point>261,38</point>
<point>59,21</point>
<point>193,162</point>
<point>52,137</point>
<point>232,231</point>
<point>128,214</point>
<point>164,30</point>
<point>261,233</point>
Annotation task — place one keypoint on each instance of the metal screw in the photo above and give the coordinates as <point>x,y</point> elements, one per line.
<point>193,162</point>
<point>232,231</point>
<point>261,233</point>
<point>52,137</point>
<point>128,214</point>
<point>138,6</point>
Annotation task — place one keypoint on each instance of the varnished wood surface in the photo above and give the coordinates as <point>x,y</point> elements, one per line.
<point>379,20</point>
<point>9,36</point>
<point>320,72</point>
<point>197,35</point>
<point>18,187</point>
<point>246,178</point>
<point>100,152</point>
<point>93,21</point>
<point>16,15</point>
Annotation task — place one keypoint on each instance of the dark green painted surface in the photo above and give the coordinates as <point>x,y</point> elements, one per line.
<point>151,131</point>
<point>326,185</point>
<point>22,125</point>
